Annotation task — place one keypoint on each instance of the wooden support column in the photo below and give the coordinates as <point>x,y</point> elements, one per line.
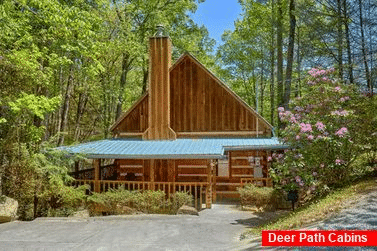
<point>214,166</point>
<point>151,175</point>
<point>210,184</point>
<point>96,166</point>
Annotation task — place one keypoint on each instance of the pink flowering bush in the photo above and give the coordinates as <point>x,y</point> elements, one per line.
<point>321,127</point>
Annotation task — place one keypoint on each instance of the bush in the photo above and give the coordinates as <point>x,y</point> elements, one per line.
<point>260,197</point>
<point>179,199</point>
<point>327,129</point>
<point>110,202</point>
<point>150,201</point>
<point>121,201</point>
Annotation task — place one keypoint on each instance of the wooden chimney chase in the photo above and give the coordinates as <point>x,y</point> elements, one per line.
<point>160,54</point>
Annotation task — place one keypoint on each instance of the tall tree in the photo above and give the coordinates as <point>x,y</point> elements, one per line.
<point>363,49</point>
<point>290,56</point>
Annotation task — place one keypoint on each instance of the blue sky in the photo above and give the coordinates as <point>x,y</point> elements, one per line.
<point>217,16</point>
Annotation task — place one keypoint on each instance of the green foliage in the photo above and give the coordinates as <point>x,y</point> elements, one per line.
<point>110,202</point>
<point>120,201</point>
<point>179,199</point>
<point>251,195</point>
<point>149,201</point>
<point>326,133</point>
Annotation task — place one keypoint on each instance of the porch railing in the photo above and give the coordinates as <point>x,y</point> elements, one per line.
<point>266,182</point>
<point>199,190</point>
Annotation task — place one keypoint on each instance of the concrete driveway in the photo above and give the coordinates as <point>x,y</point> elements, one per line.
<point>218,228</point>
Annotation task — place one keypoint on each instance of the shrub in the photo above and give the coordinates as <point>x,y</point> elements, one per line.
<point>327,128</point>
<point>260,197</point>
<point>110,202</point>
<point>121,201</point>
<point>179,199</point>
<point>149,201</point>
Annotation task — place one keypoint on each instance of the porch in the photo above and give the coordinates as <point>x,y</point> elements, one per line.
<point>208,169</point>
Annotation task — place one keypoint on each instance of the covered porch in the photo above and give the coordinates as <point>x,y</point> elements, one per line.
<point>206,168</point>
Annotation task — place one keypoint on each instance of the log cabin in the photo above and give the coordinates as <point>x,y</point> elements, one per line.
<point>188,132</point>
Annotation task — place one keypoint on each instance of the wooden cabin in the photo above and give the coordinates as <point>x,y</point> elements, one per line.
<point>189,131</point>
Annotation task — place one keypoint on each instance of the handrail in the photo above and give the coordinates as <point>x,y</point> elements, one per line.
<point>257,181</point>
<point>198,190</point>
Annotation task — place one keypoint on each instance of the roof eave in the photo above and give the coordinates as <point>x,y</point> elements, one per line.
<point>156,156</point>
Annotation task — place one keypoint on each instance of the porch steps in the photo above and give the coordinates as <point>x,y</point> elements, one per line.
<point>227,190</point>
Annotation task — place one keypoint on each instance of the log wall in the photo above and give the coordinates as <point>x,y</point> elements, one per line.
<point>199,103</point>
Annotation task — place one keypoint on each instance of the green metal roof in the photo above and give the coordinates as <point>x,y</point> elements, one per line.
<point>208,148</point>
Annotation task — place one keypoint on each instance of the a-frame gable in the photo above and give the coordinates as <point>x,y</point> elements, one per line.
<point>135,119</point>
<point>200,102</point>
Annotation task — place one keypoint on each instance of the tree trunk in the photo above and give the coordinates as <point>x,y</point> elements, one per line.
<point>83,99</point>
<point>65,110</point>
<point>122,83</point>
<point>340,38</point>
<point>145,79</point>
<point>363,50</point>
<point>272,59</point>
<point>279,44</point>
<point>348,43</point>
<point>297,92</point>
<point>262,86</point>
<point>291,45</point>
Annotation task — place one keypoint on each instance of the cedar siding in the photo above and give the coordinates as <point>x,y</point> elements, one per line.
<point>200,106</point>
<point>135,120</point>
<point>201,103</point>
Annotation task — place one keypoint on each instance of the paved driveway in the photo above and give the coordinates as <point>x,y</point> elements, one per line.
<point>215,229</point>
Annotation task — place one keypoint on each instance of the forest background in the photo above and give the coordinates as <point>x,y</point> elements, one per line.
<point>68,68</point>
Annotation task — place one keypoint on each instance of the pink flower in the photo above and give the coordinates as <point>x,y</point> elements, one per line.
<point>337,89</point>
<point>341,132</point>
<point>310,137</point>
<point>339,161</point>
<point>269,158</point>
<point>298,179</point>
<point>281,109</point>
<point>320,126</point>
<point>306,127</point>
<point>343,99</point>
<point>297,137</point>
<point>293,120</point>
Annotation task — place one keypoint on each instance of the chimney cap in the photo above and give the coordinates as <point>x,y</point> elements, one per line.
<point>160,30</point>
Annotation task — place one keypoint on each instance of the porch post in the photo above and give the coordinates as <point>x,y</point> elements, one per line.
<point>152,174</point>
<point>213,171</point>
<point>209,187</point>
<point>96,165</point>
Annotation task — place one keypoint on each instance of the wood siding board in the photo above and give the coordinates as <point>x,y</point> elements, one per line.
<point>203,100</point>
<point>213,93</point>
<point>192,98</point>
<point>219,115</point>
<point>185,97</point>
<point>196,97</point>
<point>172,99</point>
<point>207,111</point>
<point>130,120</point>
<point>223,103</point>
